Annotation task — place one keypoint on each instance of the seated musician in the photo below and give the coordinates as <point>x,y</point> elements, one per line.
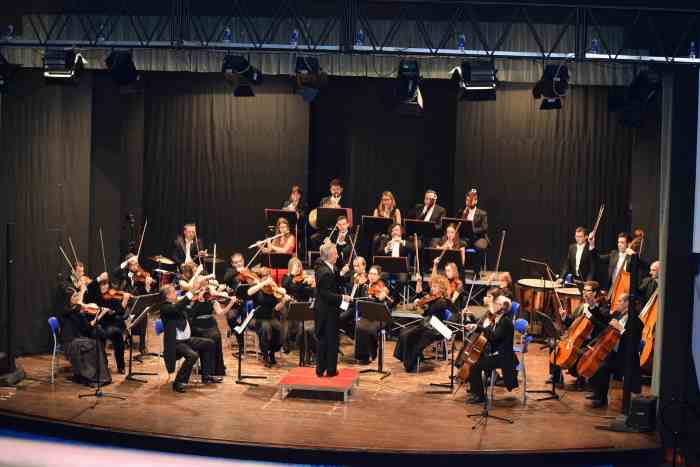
<point>300,287</point>
<point>429,211</point>
<point>202,314</point>
<point>387,208</point>
<point>189,274</point>
<point>296,202</point>
<point>499,332</point>
<point>286,243</point>
<point>455,287</point>
<point>650,283</point>
<point>451,241</point>
<point>111,326</point>
<point>355,279</point>
<point>505,283</point>
<point>131,278</point>
<point>76,279</point>
<point>395,245</point>
<point>411,343</point>
<point>579,259</point>
<point>335,195</point>
<point>614,364</point>
<point>267,313</point>
<point>188,246</point>
<point>489,299</point>
<point>179,341</point>
<point>479,238</point>
<point>231,277</point>
<point>366,345</point>
<point>80,346</point>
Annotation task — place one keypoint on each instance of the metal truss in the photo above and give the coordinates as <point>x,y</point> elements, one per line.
<point>420,28</point>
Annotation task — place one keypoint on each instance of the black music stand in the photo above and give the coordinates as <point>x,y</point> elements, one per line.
<point>422,228</point>
<point>143,305</point>
<point>379,312</point>
<point>240,330</point>
<point>450,256</point>
<point>374,225</point>
<point>271,216</point>
<point>99,394</point>
<point>301,311</point>
<point>327,217</point>
<point>275,260</point>
<point>394,265</point>
<point>464,229</point>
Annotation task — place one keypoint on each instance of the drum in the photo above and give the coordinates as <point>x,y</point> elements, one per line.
<point>532,293</point>
<point>313,216</point>
<point>164,277</point>
<point>570,297</point>
<point>537,283</point>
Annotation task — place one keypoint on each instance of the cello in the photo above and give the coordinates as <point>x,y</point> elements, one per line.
<point>648,318</point>
<point>471,351</point>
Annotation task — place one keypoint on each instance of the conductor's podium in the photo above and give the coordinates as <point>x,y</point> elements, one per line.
<point>305,379</point>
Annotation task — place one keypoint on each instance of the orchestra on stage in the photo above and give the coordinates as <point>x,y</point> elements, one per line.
<point>418,277</point>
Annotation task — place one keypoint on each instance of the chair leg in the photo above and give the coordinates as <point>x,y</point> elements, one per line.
<point>53,360</point>
<point>492,386</point>
<point>523,368</point>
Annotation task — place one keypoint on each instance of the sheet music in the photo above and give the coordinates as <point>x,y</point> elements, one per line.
<point>440,327</point>
<point>244,324</point>
<point>344,305</point>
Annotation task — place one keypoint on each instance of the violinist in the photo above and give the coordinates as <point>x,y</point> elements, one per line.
<point>286,243</point>
<point>296,202</point>
<point>451,241</point>
<point>367,331</point>
<point>187,246</point>
<point>300,286</point>
<point>134,280</point>
<point>353,279</point>
<point>268,309</point>
<point>454,284</point>
<point>412,341</point>
<point>78,277</point>
<point>111,326</point>
<point>232,279</point>
<point>614,364</point>
<point>188,275</point>
<point>201,316</point>
<point>387,208</point>
<point>650,283</point>
<point>499,332</point>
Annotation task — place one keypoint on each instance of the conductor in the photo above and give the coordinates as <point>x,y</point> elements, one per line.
<point>326,310</point>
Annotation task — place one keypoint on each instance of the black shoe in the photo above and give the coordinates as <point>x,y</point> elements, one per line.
<point>474,399</point>
<point>273,361</point>
<point>178,387</point>
<point>286,349</point>
<point>330,375</point>
<point>320,375</point>
<point>599,403</point>
<point>121,371</point>
<point>215,379</point>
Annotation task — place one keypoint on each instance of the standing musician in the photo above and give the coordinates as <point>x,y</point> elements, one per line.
<point>286,243</point>
<point>579,259</point>
<point>268,307</point>
<point>499,333</point>
<point>367,330</point>
<point>134,280</point>
<point>614,364</point>
<point>187,246</point>
<point>179,342</point>
<point>649,284</point>
<point>451,241</point>
<point>617,260</point>
<point>300,287</point>
<point>296,202</point>
<point>413,340</point>
<point>387,208</point>
<point>111,326</point>
<point>326,310</point>
<point>201,316</point>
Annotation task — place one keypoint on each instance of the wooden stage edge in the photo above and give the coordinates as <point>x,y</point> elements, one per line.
<point>390,420</point>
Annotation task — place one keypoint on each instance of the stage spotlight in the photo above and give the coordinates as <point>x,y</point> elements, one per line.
<point>121,66</point>
<point>241,74</point>
<point>408,90</point>
<point>552,86</point>
<point>476,80</point>
<point>7,70</point>
<point>62,65</point>
<point>310,78</point>
<point>643,89</point>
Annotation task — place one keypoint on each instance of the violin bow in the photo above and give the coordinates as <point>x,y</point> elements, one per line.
<point>70,242</point>
<point>70,265</point>
<point>598,219</point>
<point>500,251</point>
<point>352,242</point>
<point>104,258</point>
<point>415,244</point>
<point>253,258</point>
<point>213,267</point>
<point>143,234</point>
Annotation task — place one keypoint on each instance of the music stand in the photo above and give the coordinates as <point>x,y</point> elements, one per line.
<point>240,330</point>
<point>327,217</point>
<point>141,307</point>
<point>394,265</point>
<point>99,394</point>
<point>450,256</point>
<point>301,311</point>
<point>422,228</point>
<point>379,312</point>
<point>373,225</point>
<point>465,229</point>
<point>275,260</point>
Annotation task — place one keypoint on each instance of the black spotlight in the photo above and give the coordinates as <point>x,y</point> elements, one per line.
<point>643,89</point>
<point>408,89</point>
<point>62,65</point>
<point>7,70</point>
<point>310,78</point>
<point>476,80</point>
<point>241,74</point>
<point>552,86</point>
<point>121,66</point>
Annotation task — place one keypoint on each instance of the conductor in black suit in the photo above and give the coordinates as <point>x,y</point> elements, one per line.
<point>326,310</point>
<point>579,259</point>
<point>187,246</point>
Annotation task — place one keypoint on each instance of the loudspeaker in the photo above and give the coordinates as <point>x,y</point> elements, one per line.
<point>642,415</point>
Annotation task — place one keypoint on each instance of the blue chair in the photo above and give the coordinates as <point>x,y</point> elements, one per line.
<point>55,327</point>
<point>158,327</point>
<point>514,310</point>
<point>520,344</point>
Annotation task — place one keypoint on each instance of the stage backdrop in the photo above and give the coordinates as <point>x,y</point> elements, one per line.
<point>218,160</point>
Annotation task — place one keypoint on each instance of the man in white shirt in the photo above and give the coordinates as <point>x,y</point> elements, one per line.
<point>579,259</point>
<point>187,246</point>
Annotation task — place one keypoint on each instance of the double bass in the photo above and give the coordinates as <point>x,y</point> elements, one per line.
<point>622,281</point>
<point>648,318</point>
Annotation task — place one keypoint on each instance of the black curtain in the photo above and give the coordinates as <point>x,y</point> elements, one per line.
<point>219,160</point>
<point>358,136</point>
<point>45,182</point>
<point>542,173</point>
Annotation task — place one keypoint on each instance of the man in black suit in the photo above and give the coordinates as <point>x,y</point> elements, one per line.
<point>187,246</point>
<point>125,278</point>
<point>336,195</point>
<point>178,341</point>
<point>429,211</point>
<point>394,244</point>
<point>326,310</point>
<point>479,218</point>
<point>616,260</point>
<point>579,259</point>
<point>500,337</point>
<point>649,284</point>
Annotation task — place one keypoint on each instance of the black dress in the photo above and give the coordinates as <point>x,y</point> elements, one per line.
<point>366,342</point>
<point>267,326</point>
<point>203,324</point>
<point>300,292</point>
<point>86,354</point>
<point>412,341</point>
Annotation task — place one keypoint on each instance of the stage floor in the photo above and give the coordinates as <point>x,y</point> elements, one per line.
<point>391,415</point>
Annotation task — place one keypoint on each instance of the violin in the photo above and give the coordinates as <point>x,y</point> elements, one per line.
<point>360,278</point>
<point>278,292</point>
<point>377,288</point>
<point>89,308</point>
<point>246,276</point>
<point>114,294</point>
<point>141,275</point>
<point>303,278</point>
<point>427,299</point>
